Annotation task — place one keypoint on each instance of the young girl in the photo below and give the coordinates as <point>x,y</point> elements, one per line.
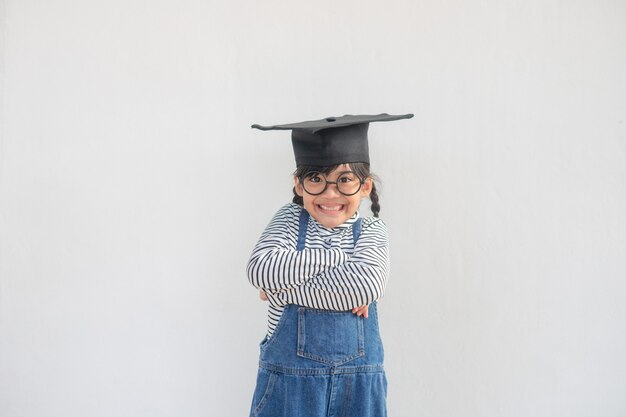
<point>322,268</point>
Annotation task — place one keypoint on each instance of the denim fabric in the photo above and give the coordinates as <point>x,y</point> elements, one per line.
<point>321,363</point>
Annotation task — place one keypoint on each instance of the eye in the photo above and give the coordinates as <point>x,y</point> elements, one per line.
<point>346,178</point>
<point>315,178</point>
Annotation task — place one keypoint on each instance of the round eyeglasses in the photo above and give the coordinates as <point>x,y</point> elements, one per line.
<point>315,183</point>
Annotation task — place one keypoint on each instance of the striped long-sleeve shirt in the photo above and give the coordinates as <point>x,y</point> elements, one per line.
<point>331,273</point>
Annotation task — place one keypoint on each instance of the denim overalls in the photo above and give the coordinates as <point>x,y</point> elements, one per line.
<point>321,363</point>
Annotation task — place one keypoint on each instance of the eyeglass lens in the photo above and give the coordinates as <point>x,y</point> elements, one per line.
<point>347,183</point>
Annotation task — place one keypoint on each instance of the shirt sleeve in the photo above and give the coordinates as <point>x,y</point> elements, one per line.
<point>358,281</point>
<point>276,265</point>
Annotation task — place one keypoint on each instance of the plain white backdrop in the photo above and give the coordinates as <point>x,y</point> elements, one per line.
<point>132,190</point>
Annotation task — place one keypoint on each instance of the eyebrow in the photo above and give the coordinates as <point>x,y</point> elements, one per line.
<point>325,175</point>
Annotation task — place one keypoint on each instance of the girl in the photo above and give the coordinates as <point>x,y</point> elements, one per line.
<point>322,268</point>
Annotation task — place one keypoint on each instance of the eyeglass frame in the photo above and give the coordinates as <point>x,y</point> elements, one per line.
<point>326,181</point>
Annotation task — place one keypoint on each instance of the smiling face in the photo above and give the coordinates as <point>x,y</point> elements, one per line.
<point>331,208</point>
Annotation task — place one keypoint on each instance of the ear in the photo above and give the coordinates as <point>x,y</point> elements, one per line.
<point>366,189</point>
<point>297,186</point>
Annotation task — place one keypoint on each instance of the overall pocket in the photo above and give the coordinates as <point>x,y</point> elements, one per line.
<point>329,337</point>
<point>263,391</point>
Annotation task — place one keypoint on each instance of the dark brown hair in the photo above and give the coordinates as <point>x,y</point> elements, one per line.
<point>361,169</point>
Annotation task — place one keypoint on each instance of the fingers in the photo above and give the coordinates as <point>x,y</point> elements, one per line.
<point>361,311</point>
<point>262,295</point>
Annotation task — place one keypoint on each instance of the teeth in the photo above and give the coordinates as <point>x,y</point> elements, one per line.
<point>332,208</point>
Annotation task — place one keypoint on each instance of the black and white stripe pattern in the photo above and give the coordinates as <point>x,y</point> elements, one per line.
<point>331,273</point>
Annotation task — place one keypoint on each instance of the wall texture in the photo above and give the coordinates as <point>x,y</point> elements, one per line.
<point>132,191</point>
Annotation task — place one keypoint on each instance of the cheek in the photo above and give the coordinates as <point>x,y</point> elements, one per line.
<point>308,201</point>
<point>356,202</point>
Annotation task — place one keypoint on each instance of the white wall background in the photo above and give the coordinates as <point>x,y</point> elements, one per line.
<point>132,191</point>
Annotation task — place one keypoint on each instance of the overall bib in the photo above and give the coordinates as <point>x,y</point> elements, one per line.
<point>321,363</point>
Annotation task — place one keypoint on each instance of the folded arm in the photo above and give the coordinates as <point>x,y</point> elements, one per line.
<point>358,281</point>
<point>276,265</point>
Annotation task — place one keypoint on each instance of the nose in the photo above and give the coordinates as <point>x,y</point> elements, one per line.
<point>332,186</point>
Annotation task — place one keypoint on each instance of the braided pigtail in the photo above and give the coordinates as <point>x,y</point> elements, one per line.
<point>375,207</point>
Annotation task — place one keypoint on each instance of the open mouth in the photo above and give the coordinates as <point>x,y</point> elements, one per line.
<point>331,208</point>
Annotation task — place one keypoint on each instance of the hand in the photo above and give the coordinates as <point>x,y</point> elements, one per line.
<point>361,311</point>
<point>262,295</point>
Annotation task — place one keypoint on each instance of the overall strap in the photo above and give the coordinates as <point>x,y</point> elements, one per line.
<point>304,221</point>
<point>356,230</point>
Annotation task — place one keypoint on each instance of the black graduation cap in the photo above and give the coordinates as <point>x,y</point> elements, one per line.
<point>333,140</point>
